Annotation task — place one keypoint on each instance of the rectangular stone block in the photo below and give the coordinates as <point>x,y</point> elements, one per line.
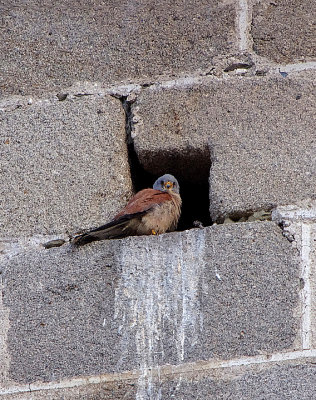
<point>213,293</point>
<point>61,313</point>
<point>64,165</point>
<point>284,31</point>
<point>293,381</point>
<point>257,132</point>
<point>47,47</point>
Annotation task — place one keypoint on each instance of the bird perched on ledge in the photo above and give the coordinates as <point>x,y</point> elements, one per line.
<point>149,212</point>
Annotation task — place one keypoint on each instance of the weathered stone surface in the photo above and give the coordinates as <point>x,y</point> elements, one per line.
<point>298,222</point>
<point>277,382</point>
<point>61,306</point>
<point>258,133</point>
<point>62,166</point>
<point>119,390</point>
<point>284,30</point>
<point>286,380</point>
<point>48,46</point>
<point>4,328</point>
<point>217,292</point>
<point>312,268</point>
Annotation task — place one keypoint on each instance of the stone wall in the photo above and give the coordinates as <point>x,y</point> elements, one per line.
<point>97,99</point>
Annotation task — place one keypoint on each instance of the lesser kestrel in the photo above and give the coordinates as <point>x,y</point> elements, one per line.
<point>149,212</point>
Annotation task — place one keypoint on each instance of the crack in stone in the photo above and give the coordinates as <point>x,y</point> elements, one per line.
<point>140,177</point>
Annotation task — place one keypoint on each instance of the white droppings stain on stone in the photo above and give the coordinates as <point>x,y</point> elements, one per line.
<point>218,276</point>
<point>192,266</point>
<point>157,304</point>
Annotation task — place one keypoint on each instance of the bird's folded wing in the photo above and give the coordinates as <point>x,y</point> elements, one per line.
<point>118,228</point>
<point>144,200</point>
<point>126,222</point>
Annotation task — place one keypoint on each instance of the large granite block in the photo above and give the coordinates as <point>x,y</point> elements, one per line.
<point>61,307</point>
<point>219,292</point>
<point>258,133</point>
<point>293,381</point>
<point>48,46</point>
<point>284,30</point>
<point>64,166</point>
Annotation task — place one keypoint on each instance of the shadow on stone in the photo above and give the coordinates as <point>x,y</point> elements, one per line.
<point>190,166</point>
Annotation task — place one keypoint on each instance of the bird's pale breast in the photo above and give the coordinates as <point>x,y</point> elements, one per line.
<point>163,217</point>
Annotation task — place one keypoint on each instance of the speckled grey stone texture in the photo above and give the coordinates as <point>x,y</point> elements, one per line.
<point>61,304</point>
<point>64,166</point>
<point>312,268</point>
<point>284,30</point>
<point>47,46</point>
<point>258,133</point>
<point>289,382</point>
<point>119,390</point>
<point>219,292</point>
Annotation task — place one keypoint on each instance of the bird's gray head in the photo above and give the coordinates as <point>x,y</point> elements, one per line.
<point>167,183</point>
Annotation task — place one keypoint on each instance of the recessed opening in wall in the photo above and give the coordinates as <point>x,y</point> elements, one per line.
<point>190,165</point>
<point>192,172</point>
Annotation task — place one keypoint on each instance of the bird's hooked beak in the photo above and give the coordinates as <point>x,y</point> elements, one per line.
<point>168,185</point>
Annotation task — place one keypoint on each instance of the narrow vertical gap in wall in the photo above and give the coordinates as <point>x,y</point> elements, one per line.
<point>140,177</point>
